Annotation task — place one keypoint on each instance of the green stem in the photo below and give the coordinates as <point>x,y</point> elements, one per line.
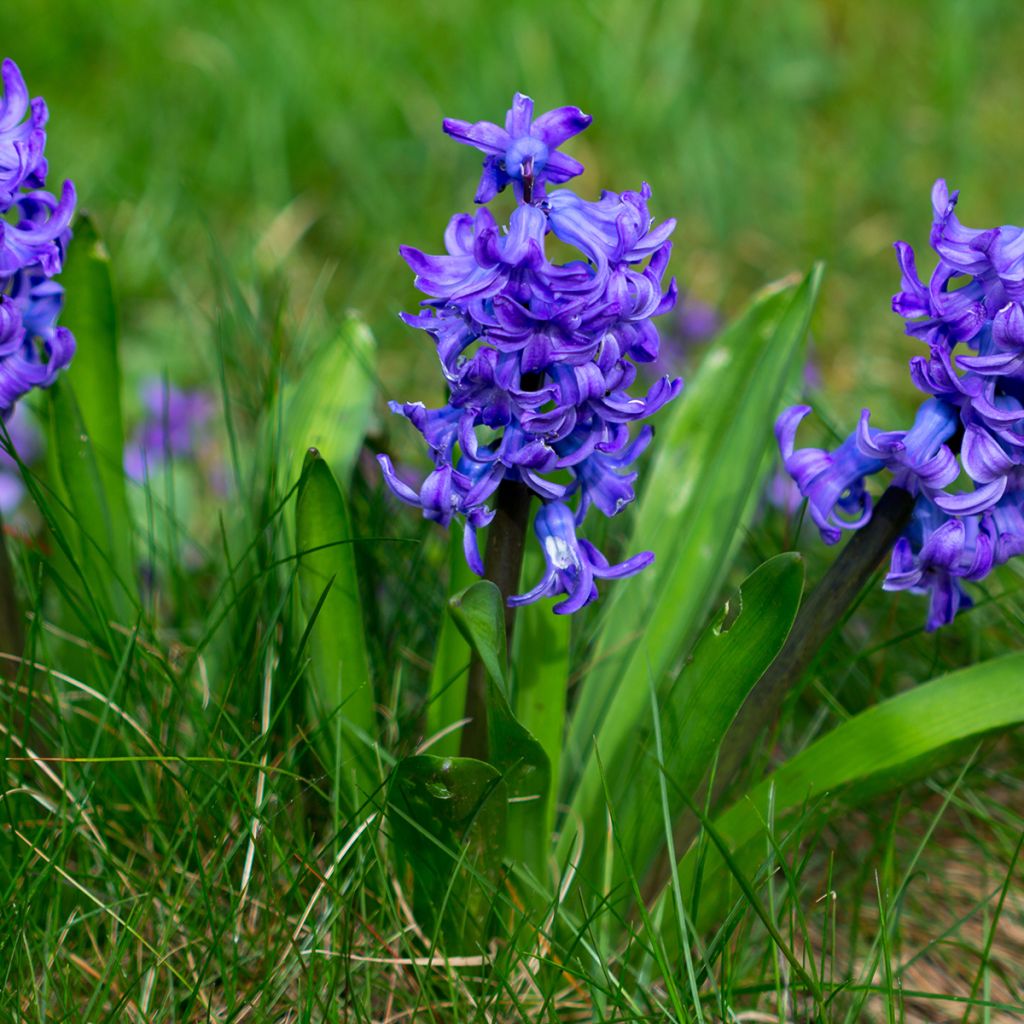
<point>503,562</point>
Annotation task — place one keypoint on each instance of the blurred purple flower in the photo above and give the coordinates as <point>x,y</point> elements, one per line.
<point>174,426</point>
<point>28,443</point>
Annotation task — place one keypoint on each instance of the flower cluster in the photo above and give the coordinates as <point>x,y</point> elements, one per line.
<point>539,356</point>
<point>33,235</point>
<point>969,512</point>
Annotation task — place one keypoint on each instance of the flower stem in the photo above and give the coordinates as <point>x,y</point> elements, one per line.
<point>503,562</point>
<point>819,615</point>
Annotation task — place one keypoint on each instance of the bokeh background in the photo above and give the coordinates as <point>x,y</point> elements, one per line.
<point>301,143</point>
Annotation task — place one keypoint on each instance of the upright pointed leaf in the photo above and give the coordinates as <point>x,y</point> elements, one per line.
<point>94,376</point>
<point>342,691</point>
<point>708,460</point>
<point>522,761</point>
<point>330,402</point>
<point>477,612</point>
<point>86,521</point>
<point>541,681</point>
<point>449,674</point>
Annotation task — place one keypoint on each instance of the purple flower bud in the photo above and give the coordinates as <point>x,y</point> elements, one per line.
<point>572,564</point>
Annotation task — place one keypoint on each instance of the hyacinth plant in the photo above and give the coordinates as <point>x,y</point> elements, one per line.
<point>547,796</point>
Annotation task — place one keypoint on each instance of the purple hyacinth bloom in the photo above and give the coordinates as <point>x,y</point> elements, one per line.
<point>968,517</point>
<point>174,425</point>
<point>525,151</point>
<point>540,357</point>
<point>937,552</point>
<point>832,482</point>
<point>34,232</point>
<point>22,138</point>
<point>573,564</point>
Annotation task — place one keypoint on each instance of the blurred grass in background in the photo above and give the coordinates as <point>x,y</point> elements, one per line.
<point>305,137</point>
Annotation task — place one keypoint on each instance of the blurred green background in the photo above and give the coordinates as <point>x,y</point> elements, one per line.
<point>301,143</point>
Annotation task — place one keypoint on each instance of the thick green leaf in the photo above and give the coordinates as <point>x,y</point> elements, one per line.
<point>91,315</point>
<point>342,691</point>
<point>448,825</point>
<point>449,675</point>
<point>696,712</point>
<point>328,407</point>
<point>96,492</point>
<point>709,454</point>
<point>889,744</point>
<point>522,761</point>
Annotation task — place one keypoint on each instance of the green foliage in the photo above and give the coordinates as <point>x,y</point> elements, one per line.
<point>340,697</point>
<point>448,824</point>
<point>522,761</point>
<point>882,748</point>
<point>694,716</point>
<point>542,673</point>
<point>177,862</point>
<point>328,405</point>
<point>447,693</point>
<point>86,432</point>
<point>709,452</point>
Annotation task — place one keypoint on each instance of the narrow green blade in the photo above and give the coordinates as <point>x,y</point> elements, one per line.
<point>85,410</point>
<point>449,675</point>
<point>541,680</point>
<point>523,762</point>
<point>340,700</point>
<point>884,747</point>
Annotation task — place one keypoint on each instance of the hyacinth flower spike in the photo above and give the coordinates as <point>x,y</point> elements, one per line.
<point>539,357</point>
<point>960,467</point>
